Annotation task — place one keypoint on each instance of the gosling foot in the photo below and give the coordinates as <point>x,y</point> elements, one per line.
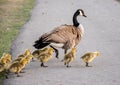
<point>22,71</point>
<point>18,75</point>
<point>68,66</point>
<point>6,76</point>
<point>42,65</point>
<point>87,65</point>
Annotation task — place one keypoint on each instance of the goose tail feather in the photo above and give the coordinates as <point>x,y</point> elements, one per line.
<point>39,44</point>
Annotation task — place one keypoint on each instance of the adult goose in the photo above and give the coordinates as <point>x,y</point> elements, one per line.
<point>64,36</point>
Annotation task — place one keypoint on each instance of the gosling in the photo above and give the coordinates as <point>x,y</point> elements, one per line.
<point>88,57</point>
<point>44,57</point>
<point>69,57</point>
<point>21,56</point>
<point>5,62</point>
<point>17,66</point>
<point>37,52</point>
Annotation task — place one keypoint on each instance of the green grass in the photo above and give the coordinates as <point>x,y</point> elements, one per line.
<point>13,14</point>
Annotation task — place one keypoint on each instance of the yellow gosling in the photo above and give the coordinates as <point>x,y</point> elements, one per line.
<point>6,60</point>
<point>5,63</point>
<point>16,67</point>
<point>28,58</point>
<point>88,57</point>
<point>44,57</point>
<point>19,58</point>
<point>69,57</point>
<point>36,53</point>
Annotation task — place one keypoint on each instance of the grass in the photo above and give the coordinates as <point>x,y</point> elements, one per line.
<point>13,14</point>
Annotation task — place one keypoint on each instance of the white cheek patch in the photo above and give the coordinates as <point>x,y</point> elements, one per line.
<point>81,13</point>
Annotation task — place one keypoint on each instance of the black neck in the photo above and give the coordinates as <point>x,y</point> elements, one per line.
<point>75,22</point>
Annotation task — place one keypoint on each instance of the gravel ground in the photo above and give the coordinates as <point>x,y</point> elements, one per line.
<point>102,34</point>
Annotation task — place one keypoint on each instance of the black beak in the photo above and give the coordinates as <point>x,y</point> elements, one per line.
<point>84,15</point>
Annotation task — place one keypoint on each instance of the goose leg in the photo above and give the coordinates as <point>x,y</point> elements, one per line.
<point>56,51</point>
<point>65,51</point>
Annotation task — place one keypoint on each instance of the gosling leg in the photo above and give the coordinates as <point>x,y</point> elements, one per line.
<point>87,64</point>
<point>18,75</point>
<point>42,65</point>
<point>68,65</point>
<point>33,60</point>
<point>6,76</point>
<point>22,71</point>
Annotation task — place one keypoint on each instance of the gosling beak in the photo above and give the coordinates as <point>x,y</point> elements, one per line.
<point>84,16</point>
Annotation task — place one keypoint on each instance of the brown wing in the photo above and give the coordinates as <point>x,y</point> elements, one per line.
<point>61,34</point>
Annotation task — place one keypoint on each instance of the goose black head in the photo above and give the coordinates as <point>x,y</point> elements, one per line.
<point>78,12</point>
<point>81,12</point>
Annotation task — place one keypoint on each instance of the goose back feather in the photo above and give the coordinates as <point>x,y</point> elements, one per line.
<point>65,34</point>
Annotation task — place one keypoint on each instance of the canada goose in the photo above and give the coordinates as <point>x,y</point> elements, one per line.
<point>44,57</point>
<point>64,36</point>
<point>69,57</point>
<point>88,57</point>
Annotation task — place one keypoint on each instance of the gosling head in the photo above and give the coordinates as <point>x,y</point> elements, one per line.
<point>81,12</point>
<point>73,50</point>
<point>27,52</point>
<point>51,50</point>
<point>36,53</point>
<point>3,55</point>
<point>8,56</point>
<point>97,53</point>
